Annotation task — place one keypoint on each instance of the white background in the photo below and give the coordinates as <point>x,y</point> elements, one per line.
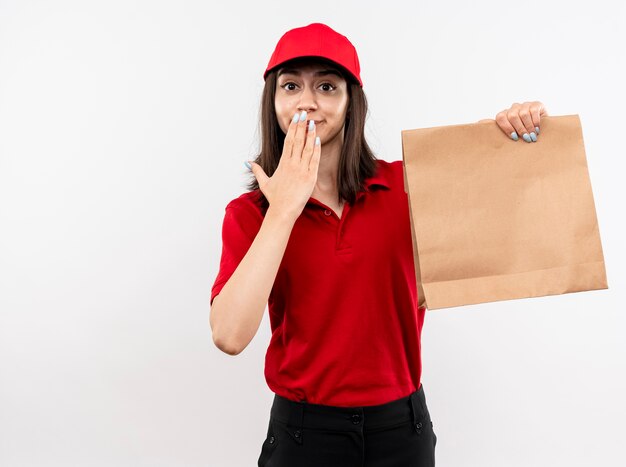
<point>123,130</point>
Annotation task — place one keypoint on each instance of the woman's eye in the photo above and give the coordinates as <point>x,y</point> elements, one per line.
<point>286,86</point>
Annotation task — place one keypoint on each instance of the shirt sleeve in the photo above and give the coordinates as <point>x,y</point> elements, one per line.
<point>239,229</point>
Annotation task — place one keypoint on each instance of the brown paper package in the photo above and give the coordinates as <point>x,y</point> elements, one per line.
<point>495,219</point>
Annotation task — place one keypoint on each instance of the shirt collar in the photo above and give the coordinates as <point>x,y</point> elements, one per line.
<point>380,177</point>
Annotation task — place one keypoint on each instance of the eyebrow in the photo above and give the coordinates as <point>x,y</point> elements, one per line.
<point>317,73</point>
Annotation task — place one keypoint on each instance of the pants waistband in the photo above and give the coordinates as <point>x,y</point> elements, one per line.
<point>315,416</point>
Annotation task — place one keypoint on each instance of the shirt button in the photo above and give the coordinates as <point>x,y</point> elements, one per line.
<point>272,439</point>
<point>327,212</point>
<point>356,418</point>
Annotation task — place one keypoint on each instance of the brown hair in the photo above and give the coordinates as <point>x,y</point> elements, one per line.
<point>357,161</point>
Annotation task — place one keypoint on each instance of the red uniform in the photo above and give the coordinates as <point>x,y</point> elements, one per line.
<point>343,310</point>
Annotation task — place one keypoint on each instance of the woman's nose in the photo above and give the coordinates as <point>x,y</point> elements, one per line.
<point>307,99</point>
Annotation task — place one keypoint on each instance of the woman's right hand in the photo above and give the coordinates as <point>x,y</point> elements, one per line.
<point>292,183</point>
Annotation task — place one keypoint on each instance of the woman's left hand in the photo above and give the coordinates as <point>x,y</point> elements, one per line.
<point>521,119</point>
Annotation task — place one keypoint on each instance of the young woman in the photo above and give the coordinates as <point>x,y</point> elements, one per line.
<point>323,238</point>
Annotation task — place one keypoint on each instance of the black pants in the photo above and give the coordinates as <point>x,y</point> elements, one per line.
<point>396,434</point>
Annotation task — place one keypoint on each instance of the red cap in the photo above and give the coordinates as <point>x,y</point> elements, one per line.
<point>316,40</point>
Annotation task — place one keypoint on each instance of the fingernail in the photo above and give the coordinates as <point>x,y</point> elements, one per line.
<point>537,129</point>
<point>533,136</point>
<point>303,116</point>
<point>514,136</point>
<point>295,117</point>
<point>248,165</point>
<point>527,138</point>
<point>317,141</point>
<point>311,125</point>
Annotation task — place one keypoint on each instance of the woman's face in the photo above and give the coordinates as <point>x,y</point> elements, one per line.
<point>319,90</point>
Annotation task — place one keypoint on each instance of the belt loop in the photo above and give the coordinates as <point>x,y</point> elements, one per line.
<point>417,424</point>
<point>296,421</point>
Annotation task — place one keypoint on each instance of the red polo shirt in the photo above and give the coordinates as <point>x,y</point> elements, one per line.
<point>343,310</point>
